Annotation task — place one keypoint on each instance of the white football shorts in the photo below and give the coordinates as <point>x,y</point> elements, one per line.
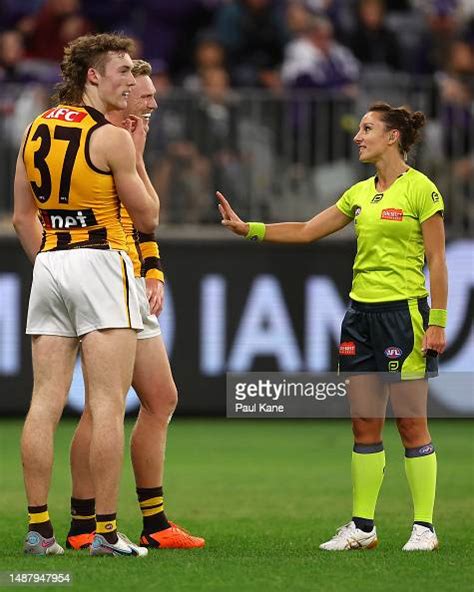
<point>77,291</point>
<point>151,326</point>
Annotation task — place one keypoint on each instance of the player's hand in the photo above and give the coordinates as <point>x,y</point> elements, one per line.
<point>155,292</point>
<point>139,133</point>
<point>230,218</point>
<point>434,339</point>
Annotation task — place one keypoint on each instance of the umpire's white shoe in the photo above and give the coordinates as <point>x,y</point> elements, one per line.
<point>36,544</point>
<point>421,539</point>
<point>122,548</point>
<point>349,537</point>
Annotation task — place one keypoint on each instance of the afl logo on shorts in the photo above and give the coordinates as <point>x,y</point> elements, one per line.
<point>393,352</point>
<point>347,348</point>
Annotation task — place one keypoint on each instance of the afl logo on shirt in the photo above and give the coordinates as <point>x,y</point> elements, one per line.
<point>357,210</point>
<point>392,214</point>
<point>393,352</point>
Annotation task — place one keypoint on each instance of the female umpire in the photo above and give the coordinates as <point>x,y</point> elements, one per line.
<point>389,337</point>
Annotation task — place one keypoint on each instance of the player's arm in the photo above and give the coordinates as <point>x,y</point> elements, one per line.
<point>139,135</point>
<point>143,209</point>
<point>25,213</point>
<point>434,242</point>
<point>323,224</point>
<point>152,271</point>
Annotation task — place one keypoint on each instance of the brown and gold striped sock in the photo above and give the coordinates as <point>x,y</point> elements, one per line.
<point>82,516</point>
<point>152,508</point>
<point>38,521</point>
<point>106,525</point>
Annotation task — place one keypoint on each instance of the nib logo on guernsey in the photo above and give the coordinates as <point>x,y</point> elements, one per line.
<point>65,114</point>
<point>59,219</point>
<point>392,214</point>
<point>347,348</point>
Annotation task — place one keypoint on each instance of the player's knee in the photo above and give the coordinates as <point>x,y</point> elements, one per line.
<point>366,430</point>
<point>413,431</point>
<point>106,409</point>
<point>47,411</point>
<point>162,405</point>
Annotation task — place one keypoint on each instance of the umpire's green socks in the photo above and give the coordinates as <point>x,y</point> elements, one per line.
<point>368,464</point>
<point>420,469</point>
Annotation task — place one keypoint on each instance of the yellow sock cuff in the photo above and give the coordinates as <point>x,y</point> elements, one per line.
<point>36,518</point>
<point>77,517</point>
<point>152,511</point>
<point>107,526</point>
<point>152,501</point>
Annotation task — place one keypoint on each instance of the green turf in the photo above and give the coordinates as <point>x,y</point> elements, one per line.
<point>264,494</point>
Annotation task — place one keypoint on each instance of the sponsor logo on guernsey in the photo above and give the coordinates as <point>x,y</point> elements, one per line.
<point>347,348</point>
<point>428,449</point>
<point>392,214</point>
<point>393,352</point>
<point>393,365</point>
<point>377,197</point>
<point>65,114</point>
<point>435,197</point>
<point>67,219</point>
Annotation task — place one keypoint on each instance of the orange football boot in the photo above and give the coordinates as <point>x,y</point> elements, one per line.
<point>173,537</point>
<point>79,541</point>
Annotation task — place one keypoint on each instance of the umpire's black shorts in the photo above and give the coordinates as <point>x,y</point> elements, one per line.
<point>386,337</point>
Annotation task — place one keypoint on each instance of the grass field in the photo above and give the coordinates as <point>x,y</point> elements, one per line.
<point>264,494</point>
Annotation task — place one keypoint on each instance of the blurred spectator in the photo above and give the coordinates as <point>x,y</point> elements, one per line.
<point>372,42</point>
<point>11,11</point>
<point>339,12</point>
<point>113,15</point>
<point>56,24</point>
<point>168,29</point>
<point>208,54</point>
<point>254,35</point>
<point>457,96</point>
<point>298,16</point>
<point>315,60</point>
<point>20,102</point>
<point>199,148</point>
<point>12,52</point>
<point>178,170</point>
<point>434,43</point>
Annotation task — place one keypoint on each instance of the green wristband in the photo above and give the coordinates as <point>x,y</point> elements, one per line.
<point>256,231</point>
<point>438,317</point>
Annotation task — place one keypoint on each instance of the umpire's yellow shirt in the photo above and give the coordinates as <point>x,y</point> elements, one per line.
<point>390,250</point>
<point>78,203</point>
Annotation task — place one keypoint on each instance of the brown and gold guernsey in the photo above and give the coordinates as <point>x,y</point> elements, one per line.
<point>142,249</point>
<point>78,203</point>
